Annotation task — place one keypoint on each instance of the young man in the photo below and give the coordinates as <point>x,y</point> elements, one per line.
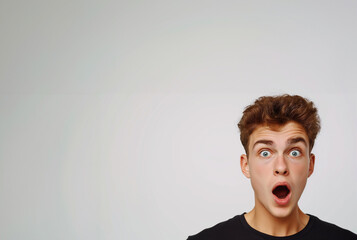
<point>278,134</point>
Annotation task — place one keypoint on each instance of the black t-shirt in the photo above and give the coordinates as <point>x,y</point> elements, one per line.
<point>237,228</point>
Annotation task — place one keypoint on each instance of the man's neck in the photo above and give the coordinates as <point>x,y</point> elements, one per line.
<point>268,224</point>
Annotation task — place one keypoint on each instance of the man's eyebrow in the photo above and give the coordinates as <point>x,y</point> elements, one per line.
<point>266,142</point>
<point>296,140</point>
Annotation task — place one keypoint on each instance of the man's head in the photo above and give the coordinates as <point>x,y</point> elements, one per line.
<point>277,111</point>
<point>278,133</point>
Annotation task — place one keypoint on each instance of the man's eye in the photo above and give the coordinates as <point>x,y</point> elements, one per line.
<point>295,153</point>
<point>264,153</point>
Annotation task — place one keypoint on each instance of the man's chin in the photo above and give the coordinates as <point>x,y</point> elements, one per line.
<point>281,213</point>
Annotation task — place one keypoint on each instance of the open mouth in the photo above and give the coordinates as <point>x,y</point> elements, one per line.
<point>281,191</point>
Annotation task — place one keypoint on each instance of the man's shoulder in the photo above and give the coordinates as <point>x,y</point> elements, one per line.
<point>223,230</point>
<point>237,228</point>
<point>331,231</point>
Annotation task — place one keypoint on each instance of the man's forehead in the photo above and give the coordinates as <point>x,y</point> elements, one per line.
<point>290,132</point>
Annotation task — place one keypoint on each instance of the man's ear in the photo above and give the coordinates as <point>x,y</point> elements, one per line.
<point>244,165</point>
<point>311,164</point>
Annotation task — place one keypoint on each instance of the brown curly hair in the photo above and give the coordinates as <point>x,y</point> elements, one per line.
<point>272,110</point>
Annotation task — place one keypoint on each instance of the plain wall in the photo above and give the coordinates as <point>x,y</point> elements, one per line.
<point>118,118</point>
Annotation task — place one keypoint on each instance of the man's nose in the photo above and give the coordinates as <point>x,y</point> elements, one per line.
<point>280,167</point>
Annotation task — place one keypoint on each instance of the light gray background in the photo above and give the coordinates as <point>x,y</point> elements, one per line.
<point>118,118</point>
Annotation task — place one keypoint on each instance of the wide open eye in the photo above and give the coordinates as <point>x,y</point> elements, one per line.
<point>264,153</point>
<point>295,153</point>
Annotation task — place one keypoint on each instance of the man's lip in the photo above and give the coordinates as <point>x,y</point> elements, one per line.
<point>282,184</point>
<point>285,200</point>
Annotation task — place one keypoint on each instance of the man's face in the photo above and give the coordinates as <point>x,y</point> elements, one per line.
<point>278,165</point>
